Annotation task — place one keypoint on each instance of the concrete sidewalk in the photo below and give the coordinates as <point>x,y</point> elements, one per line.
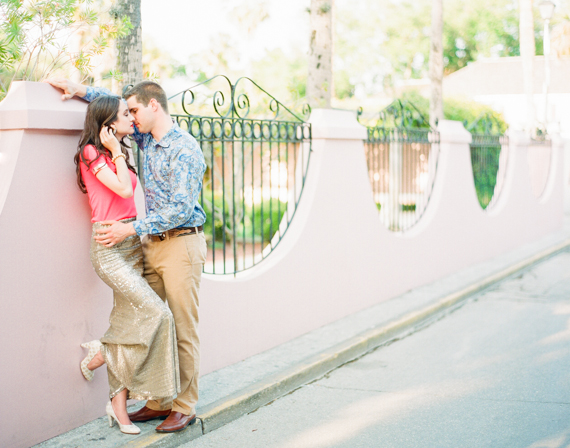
<point>236,390</point>
<point>495,372</point>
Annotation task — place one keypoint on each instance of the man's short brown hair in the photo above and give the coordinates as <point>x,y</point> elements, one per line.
<point>147,90</point>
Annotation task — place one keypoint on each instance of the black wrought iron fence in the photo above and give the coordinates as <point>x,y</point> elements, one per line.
<point>256,171</point>
<point>402,153</point>
<point>489,156</point>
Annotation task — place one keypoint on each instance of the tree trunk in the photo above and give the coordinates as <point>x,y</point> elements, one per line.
<point>129,48</point>
<point>320,79</point>
<point>527,48</point>
<point>436,63</point>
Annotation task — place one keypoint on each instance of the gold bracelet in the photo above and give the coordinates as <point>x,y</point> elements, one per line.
<point>99,168</point>
<point>119,156</point>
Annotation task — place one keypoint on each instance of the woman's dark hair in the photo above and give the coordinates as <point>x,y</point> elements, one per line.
<point>102,111</point>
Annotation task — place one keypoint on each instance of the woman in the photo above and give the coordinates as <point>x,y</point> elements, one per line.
<point>140,347</point>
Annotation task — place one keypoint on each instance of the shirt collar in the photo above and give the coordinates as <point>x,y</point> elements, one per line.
<point>167,139</point>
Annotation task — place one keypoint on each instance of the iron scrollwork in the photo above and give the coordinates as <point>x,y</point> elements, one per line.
<point>257,153</point>
<point>486,124</point>
<point>398,114</point>
<point>239,105</point>
<point>126,89</point>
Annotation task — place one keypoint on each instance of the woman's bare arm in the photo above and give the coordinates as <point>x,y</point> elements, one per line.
<point>119,183</point>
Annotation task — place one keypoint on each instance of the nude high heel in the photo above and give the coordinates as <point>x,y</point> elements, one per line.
<point>93,347</point>
<point>125,429</point>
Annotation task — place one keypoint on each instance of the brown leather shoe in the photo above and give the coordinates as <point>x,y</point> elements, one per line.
<point>145,414</point>
<point>176,421</point>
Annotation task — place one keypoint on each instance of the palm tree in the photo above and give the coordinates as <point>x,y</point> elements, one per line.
<point>129,47</point>
<point>436,63</point>
<point>320,79</point>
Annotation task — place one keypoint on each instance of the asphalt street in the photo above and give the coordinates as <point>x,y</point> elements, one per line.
<point>493,373</point>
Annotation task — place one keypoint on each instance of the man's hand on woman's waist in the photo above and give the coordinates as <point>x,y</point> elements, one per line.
<point>115,233</point>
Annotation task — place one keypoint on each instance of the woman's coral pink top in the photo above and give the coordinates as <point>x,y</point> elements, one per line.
<point>106,205</point>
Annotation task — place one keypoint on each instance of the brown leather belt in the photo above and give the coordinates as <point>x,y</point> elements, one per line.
<point>173,233</point>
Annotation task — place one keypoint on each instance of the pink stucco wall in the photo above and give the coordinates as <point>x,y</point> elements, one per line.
<point>335,259</point>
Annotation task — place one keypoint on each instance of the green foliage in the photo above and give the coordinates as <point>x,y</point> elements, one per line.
<point>35,35</point>
<point>273,212</point>
<point>469,111</point>
<point>376,42</point>
<point>379,42</point>
<point>421,102</point>
<point>342,86</point>
<point>259,222</point>
<point>283,75</point>
<point>482,28</point>
<point>457,108</point>
<point>485,150</point>
<point>159,65</point>
<point>485,164</point>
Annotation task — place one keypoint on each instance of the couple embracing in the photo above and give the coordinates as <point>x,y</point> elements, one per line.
<point>152,347</point>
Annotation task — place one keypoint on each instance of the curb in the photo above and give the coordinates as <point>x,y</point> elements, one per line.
<point>251,398</point>
<point>158,440</point>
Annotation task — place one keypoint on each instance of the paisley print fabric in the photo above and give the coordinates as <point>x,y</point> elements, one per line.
<point>173,171</point>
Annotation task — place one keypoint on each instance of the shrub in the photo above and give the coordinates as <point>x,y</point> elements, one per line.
<point>248,219</point>
<point>478,119</point>
<point>457,108</point>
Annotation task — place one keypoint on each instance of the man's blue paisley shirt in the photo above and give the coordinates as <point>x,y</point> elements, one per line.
<point>173,170</point>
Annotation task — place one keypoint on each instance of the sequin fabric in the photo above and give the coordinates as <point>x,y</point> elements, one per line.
<point>140,346</point>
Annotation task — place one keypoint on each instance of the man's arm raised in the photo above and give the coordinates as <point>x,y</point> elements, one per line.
<point>88,94</point>
<point>71,89</point>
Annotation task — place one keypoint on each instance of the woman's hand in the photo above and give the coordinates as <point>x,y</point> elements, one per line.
<point>109,140</point>
<point>119,182</point>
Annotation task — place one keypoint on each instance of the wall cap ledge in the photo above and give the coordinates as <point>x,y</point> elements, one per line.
<point>451,131</point>
<point>38,105</point>
<point>519,137</point>
<point>336,124</point>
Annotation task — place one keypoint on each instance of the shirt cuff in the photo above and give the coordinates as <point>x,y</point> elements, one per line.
<point>89,95</point>
<point>140,227</point>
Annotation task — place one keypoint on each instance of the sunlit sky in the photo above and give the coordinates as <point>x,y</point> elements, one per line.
<point>185,30</point>
<point>185,27</point>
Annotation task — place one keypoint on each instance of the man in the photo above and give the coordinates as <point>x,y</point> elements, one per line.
<point>174,246</point>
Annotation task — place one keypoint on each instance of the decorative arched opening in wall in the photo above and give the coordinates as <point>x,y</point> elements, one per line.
<point>489,158</point>
<point>257,153</point>
<point>540,163</point>
<point>402,153</point>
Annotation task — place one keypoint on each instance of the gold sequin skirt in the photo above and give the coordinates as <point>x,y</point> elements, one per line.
<point>140,346</point>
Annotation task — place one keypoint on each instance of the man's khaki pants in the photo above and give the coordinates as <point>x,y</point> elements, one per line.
<point>173,268</point>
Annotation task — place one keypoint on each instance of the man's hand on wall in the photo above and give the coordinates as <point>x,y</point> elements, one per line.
<point>70,89</point>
